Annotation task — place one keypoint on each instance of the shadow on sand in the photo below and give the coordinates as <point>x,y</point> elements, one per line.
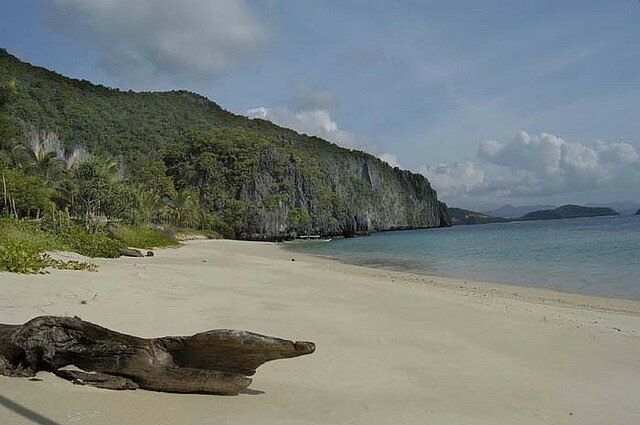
<point>27,413</point>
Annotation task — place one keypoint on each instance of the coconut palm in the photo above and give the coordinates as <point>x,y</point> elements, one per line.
<point>150,204</point>
<point>46,153</point>
<point>181,206</point>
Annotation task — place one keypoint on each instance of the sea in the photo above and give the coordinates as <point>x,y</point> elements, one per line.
<point>594,256</point>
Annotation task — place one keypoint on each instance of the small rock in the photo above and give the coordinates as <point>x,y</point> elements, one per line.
<point>150,254</point>
<point>293,259</point>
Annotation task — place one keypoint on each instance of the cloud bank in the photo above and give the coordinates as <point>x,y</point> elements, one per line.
<point>538,165</point>
<point>308,112</point>
<point>189,40</point>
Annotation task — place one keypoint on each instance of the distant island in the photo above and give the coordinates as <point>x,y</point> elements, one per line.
<point>514,212</point>
<point>569,211</point>
<point>462,216</point>
<point>623,207</point>
<point>510,211</point>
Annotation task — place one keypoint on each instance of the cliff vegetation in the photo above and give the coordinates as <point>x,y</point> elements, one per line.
<point>104,157</point>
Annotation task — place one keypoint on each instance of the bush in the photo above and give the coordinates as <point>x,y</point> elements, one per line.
<point>97,244</point>
<point>299,220</point>
<point>22,243</point>
<point>65,235</point>
<point>20,257</point>
<point>20,253</point>
<point>141,236</point>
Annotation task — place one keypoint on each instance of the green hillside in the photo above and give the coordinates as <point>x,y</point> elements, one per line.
<point>176,157</point>
<point>462,216</point>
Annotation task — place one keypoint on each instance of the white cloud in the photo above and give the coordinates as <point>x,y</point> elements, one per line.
<point>261,112</point>
<point>390,159</point>
<point>309,113</point>
<point>539,165</point>
<point>459,178</point>
<point>314,122</point>
<point>617,152</point>
<point>187,39</point>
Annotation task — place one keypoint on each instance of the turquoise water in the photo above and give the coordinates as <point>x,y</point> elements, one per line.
<point>595,256</point>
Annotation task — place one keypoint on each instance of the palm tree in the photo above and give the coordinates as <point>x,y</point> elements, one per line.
<point>46,152</point>
<point>77,157</point>
<point>150,203</point>
<point>96,189</point>
<point>181,205</point>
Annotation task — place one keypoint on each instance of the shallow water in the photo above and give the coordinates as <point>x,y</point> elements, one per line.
<point>595,256</point>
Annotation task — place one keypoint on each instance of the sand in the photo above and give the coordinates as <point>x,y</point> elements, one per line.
<point>393,348</point>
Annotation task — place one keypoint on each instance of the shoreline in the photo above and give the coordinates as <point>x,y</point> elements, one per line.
<point>391,347</point>
<point>548,296</point>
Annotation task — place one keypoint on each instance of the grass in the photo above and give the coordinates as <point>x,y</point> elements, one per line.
<point>182,233</point>
<point>22,243</point>
<point>141,236</point>
<point>21,257</point>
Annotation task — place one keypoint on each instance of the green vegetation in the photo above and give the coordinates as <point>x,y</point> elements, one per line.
<point>141,236</point>
<point>22,244</point>
<point>97,168</point>
<point>569,211</point>
<point>462,216</point>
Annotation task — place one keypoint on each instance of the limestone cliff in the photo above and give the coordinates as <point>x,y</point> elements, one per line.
<point>252,177</point>
<point>368,196</point>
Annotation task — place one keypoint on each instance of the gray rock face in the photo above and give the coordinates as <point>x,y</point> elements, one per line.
<point>356,193</point>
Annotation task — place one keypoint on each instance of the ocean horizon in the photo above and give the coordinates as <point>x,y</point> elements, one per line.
<point>597,256</point>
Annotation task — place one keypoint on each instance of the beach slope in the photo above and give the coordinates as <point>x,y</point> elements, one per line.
<point>392,348</point>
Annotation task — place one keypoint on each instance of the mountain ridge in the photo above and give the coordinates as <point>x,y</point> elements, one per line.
<point>510,211</point>
<point>266,182</point>
<point>461,216</point>
<point>569,211</point>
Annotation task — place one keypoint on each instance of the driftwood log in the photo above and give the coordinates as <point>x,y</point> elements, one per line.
<point>134,252</point>
<point>216,362</point>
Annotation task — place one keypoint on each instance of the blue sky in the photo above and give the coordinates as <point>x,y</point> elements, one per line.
<point>495,101</point>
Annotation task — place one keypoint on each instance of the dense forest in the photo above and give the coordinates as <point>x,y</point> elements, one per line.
<point>96,155</point>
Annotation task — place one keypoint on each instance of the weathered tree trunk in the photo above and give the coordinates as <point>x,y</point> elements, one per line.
<point>216,362</point>
<point>131,252</point>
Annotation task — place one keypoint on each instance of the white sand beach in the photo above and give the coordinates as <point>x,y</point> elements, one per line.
<point>392,348</point>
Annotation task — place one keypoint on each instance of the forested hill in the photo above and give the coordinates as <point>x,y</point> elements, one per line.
<point>569,211</point>
<point>255,179</point>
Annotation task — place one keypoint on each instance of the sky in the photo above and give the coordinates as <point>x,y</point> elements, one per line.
<point>495,101</point>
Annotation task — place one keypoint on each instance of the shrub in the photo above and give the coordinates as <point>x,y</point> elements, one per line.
<point>141,236</point>
<point>22,243</point>
<point>20,257</point>
<point>68,236</point>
